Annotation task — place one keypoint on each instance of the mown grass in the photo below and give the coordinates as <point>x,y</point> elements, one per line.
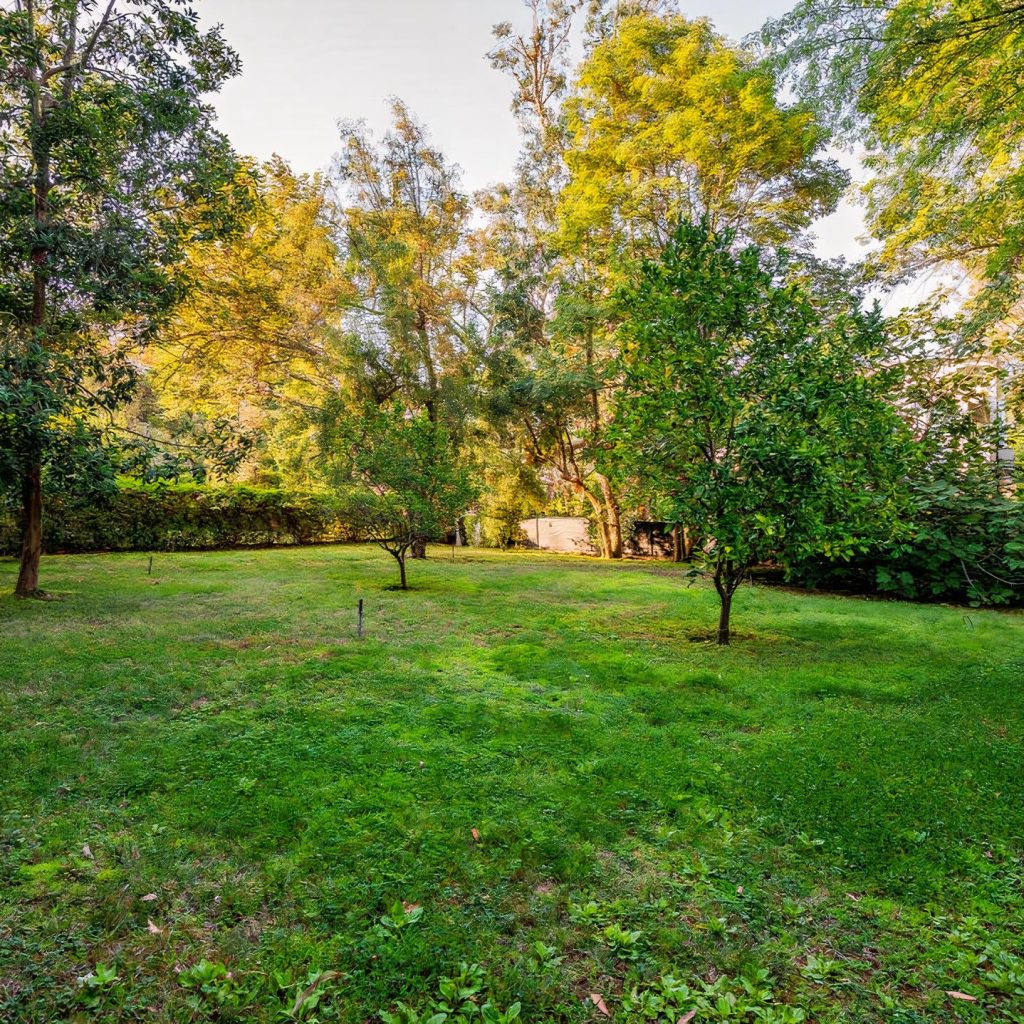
<point>212,791</point>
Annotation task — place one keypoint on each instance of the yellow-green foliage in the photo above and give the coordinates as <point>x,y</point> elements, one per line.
<point>511,494</point>
<point>669,121</point>
<point>253,338</point>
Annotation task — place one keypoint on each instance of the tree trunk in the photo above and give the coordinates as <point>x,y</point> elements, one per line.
<point>32,481</point>
<point>723,617</point>
<point>602,526</point>
<point>677,543</point>
<point>611,517</point>
<point>401,570</point>
<point>31,532</point>
<point>728,575</point>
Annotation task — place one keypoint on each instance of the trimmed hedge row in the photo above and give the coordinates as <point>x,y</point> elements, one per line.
<point>181,517</point>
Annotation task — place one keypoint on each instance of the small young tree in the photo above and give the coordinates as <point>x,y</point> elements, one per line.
<point>763,428</point>
<point>418,486</point>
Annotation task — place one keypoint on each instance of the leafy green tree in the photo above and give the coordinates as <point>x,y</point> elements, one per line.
<point>511,493</point>
<point>411,322</point>
<point>544,368</point>
<point>110,163</point>
<point>931,89</point>
<point>964,524</point>
<point>663,120</point>
<point>417,484</point>
<point>766,430</point>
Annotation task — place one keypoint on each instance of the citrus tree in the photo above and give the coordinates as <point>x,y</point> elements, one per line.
<point>416,484</point>
<point>765,429</point>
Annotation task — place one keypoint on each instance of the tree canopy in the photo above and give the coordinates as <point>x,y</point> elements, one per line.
<point>933,92</point>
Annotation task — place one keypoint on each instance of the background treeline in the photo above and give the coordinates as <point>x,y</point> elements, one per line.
<point>634,327</point>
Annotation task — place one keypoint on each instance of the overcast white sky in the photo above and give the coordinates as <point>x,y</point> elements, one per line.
<point>309,64</point>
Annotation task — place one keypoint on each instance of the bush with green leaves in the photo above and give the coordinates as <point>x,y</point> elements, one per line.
<point>414,482</point>
<point>964,537</point>
<point>965,546</point>
<point>181,517</point>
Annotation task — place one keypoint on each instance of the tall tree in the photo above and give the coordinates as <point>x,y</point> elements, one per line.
<point>669,122</point>
<point>545,370</point>
<point>411,329</point>
<point>767,430</point>
<point>412,320</point>
<point>254,339</point>
<point>662,120</point>
<point>109,162</point>
<point>934,92</point>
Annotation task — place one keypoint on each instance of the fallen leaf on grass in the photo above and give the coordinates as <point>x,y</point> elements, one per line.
<point>596,999</point>
<point>853,896</point>
<point>962,995</point>
<point>476,834</point>
<point>153,929</point>
<point>311,988</point>
<point>687,1017</point>
<point>149,897</point>
<point>87,852</point>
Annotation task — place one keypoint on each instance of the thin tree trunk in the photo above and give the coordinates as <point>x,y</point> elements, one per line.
<point>32,480</point>
<point>677,543</point>
<point>602,526</point>
<point>31,532</point>
<point>727,578</point>
<point>401,570</point>
<point>723,617</point>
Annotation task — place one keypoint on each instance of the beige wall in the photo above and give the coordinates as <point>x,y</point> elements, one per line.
<point>559,533</point>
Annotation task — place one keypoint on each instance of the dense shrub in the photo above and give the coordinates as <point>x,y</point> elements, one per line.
<point>966,544</point>
<point>177,517</point>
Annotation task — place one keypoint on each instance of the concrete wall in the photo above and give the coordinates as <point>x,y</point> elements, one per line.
<point>569,534</point>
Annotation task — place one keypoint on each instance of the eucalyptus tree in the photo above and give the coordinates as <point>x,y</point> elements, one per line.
<point>411,318</point>
<point>110,162</point>
<point>411,321</point>
<point>547,378</point>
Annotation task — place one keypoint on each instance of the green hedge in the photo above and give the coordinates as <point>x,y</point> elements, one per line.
<point>181,517</point>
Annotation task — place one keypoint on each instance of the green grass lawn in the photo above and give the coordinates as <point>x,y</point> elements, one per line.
<point>212,791</point>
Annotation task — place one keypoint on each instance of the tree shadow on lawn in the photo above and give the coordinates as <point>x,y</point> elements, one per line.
<point>901,774</point>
